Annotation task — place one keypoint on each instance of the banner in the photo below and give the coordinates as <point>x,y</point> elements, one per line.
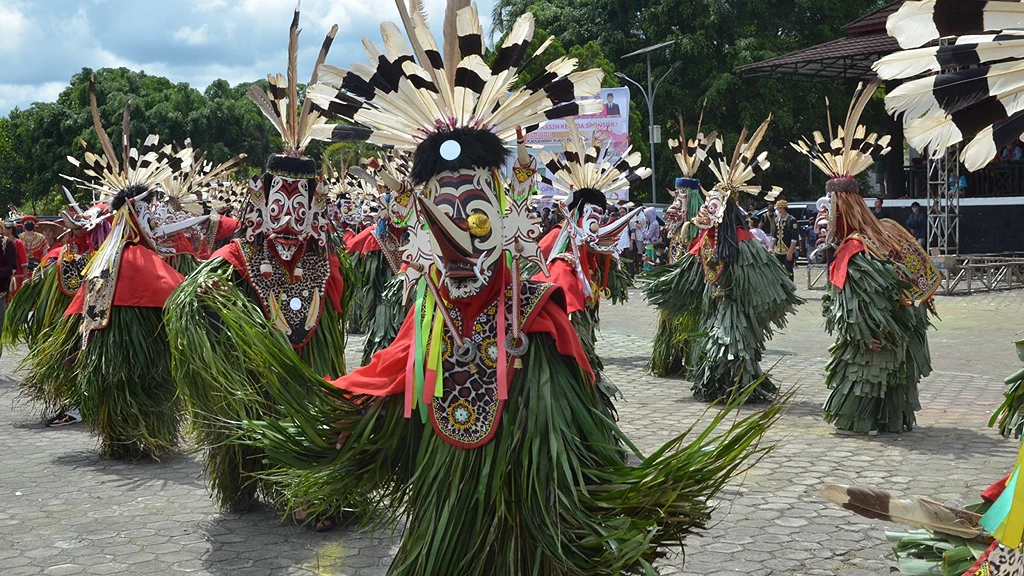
<point>609,128</point>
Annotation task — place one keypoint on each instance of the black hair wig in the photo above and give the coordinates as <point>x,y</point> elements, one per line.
<point>129,193</point>
<point>728,240</point>
<point>585,196</point>
<point>291,166</point>
<point>479,149</point>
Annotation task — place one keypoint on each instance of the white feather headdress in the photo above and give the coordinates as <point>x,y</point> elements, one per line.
<point>197,184</point>
<point>135,171</point>
<point>581,167</point>
<point>734,173</point>
<point>411,90</point>
<point>280,104</point>
<point>849,150</point>
<point>689,154</point>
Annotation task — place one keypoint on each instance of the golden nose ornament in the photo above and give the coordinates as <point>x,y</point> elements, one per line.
<point>479,225</point>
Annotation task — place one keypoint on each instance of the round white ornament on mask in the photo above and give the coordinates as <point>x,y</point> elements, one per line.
<point>450,150</point>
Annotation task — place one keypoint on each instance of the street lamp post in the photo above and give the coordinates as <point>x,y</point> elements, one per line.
<point>649,93</point>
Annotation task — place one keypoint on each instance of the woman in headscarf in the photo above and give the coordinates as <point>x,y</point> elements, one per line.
<point>652,234</point>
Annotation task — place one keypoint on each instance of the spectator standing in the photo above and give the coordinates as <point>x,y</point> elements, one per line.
<point>917,224</point>
<point>8,266</point>
<point>637,236</point>
<point>757,232</point>
<point>787,233</point>
<point>881,170</point>
<point>21,268</point>
<point>652,232</point>
<point>768,221</point>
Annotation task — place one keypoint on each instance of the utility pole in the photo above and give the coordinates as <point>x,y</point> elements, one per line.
<point>654,132</point>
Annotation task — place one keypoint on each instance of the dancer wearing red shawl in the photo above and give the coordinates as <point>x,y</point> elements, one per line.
<point>271,296</point>
<point>480,426</point>
<point>108,355</point>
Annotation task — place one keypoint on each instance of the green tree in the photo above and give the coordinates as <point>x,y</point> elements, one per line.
<point>35,142</point>
<point>589,56</point>
<point>712,38</point>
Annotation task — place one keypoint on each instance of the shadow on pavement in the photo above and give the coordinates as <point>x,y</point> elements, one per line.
<point>259,542</point>
<point>141,475</point>
<point>942,441</point>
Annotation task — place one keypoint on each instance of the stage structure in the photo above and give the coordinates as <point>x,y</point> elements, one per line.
<point>937,180</point>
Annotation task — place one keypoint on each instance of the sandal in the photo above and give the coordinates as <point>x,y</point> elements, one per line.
<point>321,524</point>
<point>64,419</point>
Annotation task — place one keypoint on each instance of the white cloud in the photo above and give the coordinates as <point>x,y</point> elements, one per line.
<point>45,42</point>
<point>209,5</point>
<point>22,95</point>
<point>192,36</point>
<point>13,26</point>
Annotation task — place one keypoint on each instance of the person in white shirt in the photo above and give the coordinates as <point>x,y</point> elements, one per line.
<point>756,232</point>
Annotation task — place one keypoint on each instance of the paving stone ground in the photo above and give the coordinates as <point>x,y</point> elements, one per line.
<point>65,511</point>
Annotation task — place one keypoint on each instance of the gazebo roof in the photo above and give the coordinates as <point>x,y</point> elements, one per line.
<point>848,57</point>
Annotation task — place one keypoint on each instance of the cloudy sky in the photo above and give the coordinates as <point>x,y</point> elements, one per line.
<point>44,42</point>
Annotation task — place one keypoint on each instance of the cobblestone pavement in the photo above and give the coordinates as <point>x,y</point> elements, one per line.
<point>64,510</point>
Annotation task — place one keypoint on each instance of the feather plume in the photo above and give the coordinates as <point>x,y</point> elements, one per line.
<point>582,167</point>
<point>916,512</point>
<point>404,95</point>
<point>106,175</point>
<point>742,166</point>
<point>450,32</point>
<point>968,89</point>
<point>280,104</point>
<point>689,154</point>
<point>917,23</point>
<point>850,149</point>
<point>304,116</point>
<point>293,77</point>
<point>97,124</point>
<point>126,134</point>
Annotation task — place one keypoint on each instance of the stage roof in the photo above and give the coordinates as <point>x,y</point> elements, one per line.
<point>848,57</point>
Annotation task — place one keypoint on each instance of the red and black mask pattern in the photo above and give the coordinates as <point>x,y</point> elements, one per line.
<point>288,212</point>
<point>465,227</point>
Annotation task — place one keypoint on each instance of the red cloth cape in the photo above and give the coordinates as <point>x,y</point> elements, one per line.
<point>385,374</point>
<point>54,253</point>
<point>363,243</point>
<point>741,235</point>
<point>226,228</point>
<point>232,252</point>
<point>183,246</point>
<point>547,243</point>
<point>564,276</point>
<point>841,262</point>
<point>144,281</point>
<point>347,236</point>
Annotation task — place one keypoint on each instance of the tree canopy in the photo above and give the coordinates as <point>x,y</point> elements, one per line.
<point>711,38</point>
<point>35,142</point>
